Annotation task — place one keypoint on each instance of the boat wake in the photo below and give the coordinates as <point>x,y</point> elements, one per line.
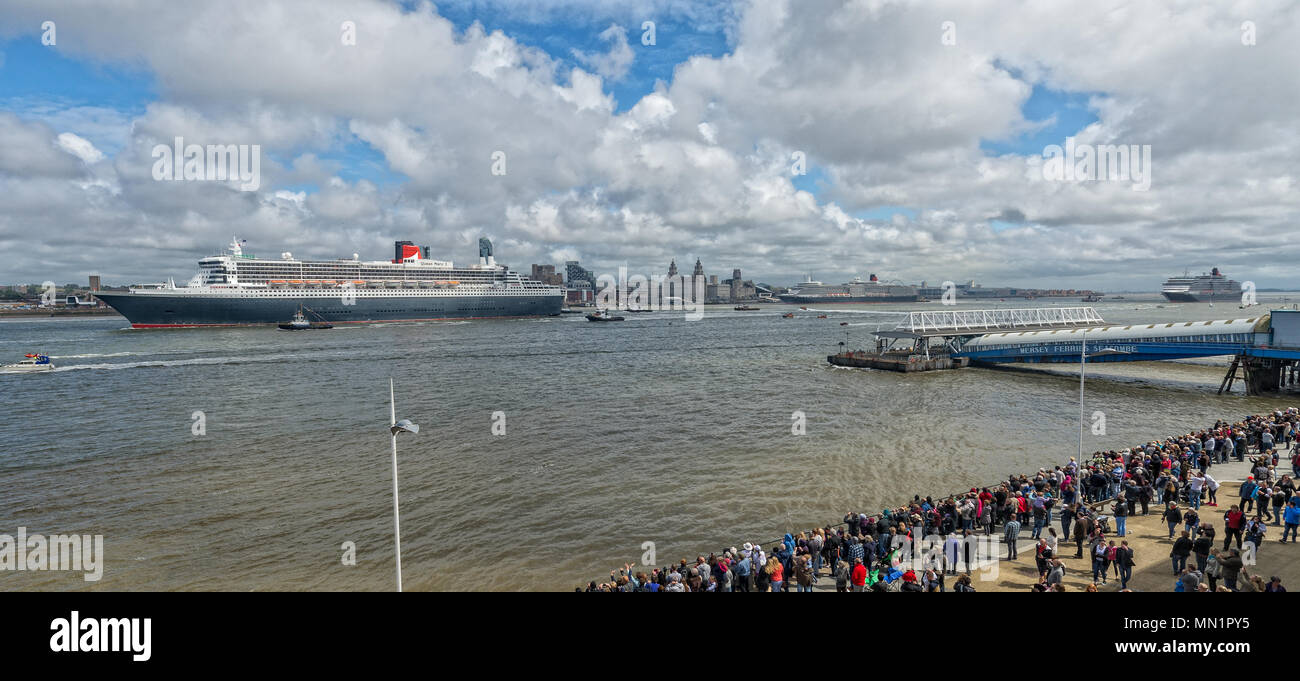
<point>94,354</point>
<point>38,341</point>
<point>197,361</point>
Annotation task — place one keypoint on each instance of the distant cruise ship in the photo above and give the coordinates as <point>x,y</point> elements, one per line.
<point>235,288</point>
<point>856,291</point>
<point>1202,288</point>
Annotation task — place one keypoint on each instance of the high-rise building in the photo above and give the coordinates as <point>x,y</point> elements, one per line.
<point>547,275</point>
<point>94,282</point>
<point>579,282</point>
<point>575,274</point>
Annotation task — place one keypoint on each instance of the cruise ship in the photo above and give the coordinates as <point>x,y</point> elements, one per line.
<point>856,291</point>
<point>236,288</point>
<point>1202,288</point>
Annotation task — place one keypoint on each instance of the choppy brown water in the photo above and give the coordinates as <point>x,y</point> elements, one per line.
<point>656,429</point>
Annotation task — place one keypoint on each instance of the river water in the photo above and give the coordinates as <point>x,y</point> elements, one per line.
<point>656,429</point>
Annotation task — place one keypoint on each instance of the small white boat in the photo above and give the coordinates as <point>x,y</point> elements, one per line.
<point>30,363</point>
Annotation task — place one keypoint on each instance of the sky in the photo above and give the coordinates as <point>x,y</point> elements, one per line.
<point>788,138</point>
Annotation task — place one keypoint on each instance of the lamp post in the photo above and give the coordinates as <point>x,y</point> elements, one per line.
<point>395,427</point>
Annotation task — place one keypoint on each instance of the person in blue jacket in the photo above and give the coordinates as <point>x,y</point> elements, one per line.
<point>1292,519</point>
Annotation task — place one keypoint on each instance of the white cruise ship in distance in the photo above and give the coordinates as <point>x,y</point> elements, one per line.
<point>856,291</point>
<point>1201,288</point>
<point>236,288</point>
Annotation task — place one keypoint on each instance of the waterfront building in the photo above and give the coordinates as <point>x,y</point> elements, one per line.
<point>547,275</point>
<point>580,283</point>
<point>741,290</point>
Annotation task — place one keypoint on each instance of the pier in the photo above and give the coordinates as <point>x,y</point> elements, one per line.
<point>1265,347</point>
<point>905,362</point>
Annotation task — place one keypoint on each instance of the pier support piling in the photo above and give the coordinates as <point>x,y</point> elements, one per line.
<point>1231,376</point>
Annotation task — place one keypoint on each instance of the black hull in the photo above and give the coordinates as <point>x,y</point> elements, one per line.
<point>179,311</point>
<point>837,300</point>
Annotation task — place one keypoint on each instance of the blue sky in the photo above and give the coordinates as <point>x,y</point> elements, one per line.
<point>37,80</point>
<point>676,41</point>
<point>1053,114</point>
<point>32,70</point>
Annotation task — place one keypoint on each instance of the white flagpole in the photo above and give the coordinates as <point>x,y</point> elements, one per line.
<point>397,515</point>
<point>1083,363</point>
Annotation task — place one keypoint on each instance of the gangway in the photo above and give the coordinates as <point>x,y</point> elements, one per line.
<point>971,322</point>
<point>952,328</point>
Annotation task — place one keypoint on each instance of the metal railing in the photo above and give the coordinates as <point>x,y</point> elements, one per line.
<point>986,321</point>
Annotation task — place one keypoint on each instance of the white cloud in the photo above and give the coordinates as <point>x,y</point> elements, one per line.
<point>886,115</point>
<point>708,132</point>
<point>298,198</point>
<point>80,147</point>
<point>614,64</point>
<point>30,150</point>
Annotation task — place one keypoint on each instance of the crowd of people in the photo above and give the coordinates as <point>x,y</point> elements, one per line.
<point>1090,501</point>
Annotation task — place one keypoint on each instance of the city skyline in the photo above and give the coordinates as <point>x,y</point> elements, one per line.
<point>555,271</point>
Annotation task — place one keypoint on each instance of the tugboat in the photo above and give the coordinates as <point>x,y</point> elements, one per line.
<point>30,363</point>
<point>602,316</point>
<point>1093,298</point>
<point>300,323</point>
<point>788,315</point>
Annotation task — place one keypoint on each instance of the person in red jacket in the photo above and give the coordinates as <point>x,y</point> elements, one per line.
<point>1233,521</point>
<point>859,576</point>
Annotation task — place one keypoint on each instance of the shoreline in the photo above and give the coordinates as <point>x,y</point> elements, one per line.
<point>1146,532</point>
